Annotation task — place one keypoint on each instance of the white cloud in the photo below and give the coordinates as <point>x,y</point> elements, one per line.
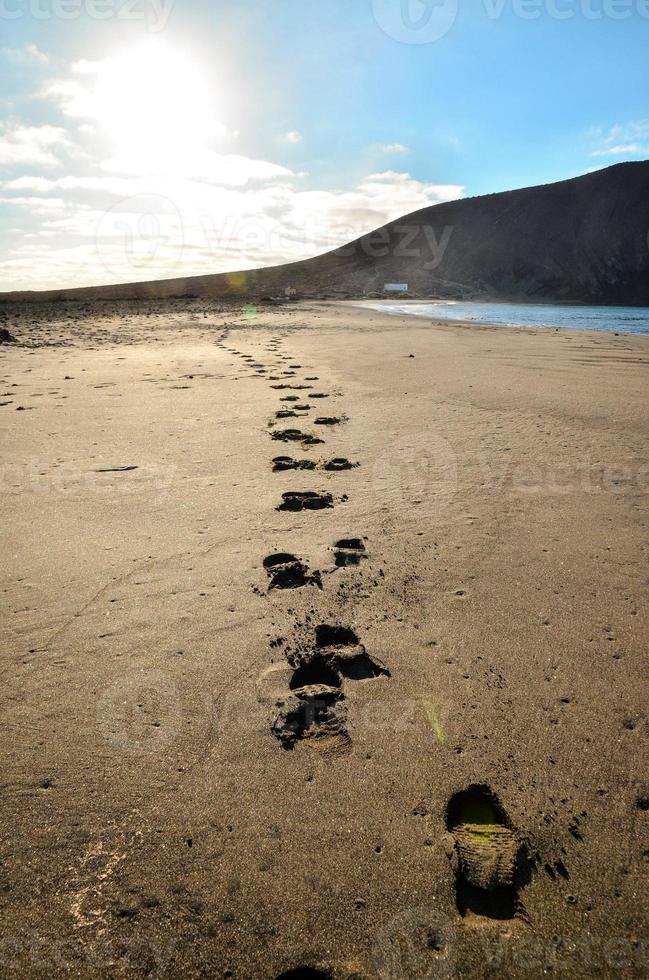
<point>36,205</point>
<point>30,145</point>
<point>154,195</point>
<point>30,54</point>
<point>196,227</point>
<point>621,140</point>
<point>622,150</point>
<point>214,168</point>
<point>395,148</point>
<point>292,137</point>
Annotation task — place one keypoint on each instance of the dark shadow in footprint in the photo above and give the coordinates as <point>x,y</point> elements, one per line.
<point>329,636</point>
<point>318,394</point>
<point>286,413</point>
<point>328,420</point>
<point>295,435</point>
<point>490,859</point>
<point>339,644</point>
<point>305,500</point>
<point>349,551</point>
<point>316,670</point>
<point>338,464</point>
<point>284,387</point>
<point>282,463</point>
<point>288,572</point>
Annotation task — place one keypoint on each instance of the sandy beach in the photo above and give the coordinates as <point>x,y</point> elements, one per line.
<point>250,660</point>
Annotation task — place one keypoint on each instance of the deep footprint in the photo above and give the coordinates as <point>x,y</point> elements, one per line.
<point>282,463</point>
<point>315,713</point>
<point>315,709</point>
<point>295,435</point>
<point>284,387</point>
<point>341,647</point>
<point>338,464</point>
<point>316,670</point>
<point>349,551</point>
<point>328,420</point>
<point>288,572</point>
<point>490,859</point>
<point>305,500</point>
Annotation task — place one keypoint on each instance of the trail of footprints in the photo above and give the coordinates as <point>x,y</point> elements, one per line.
<point>313,709</point>
<point>491,861</point>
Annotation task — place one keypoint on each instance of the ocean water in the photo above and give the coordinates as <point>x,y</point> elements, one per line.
<point>612,319</point>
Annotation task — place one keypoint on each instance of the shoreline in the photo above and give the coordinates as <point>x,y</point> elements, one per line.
<point>400,308</point>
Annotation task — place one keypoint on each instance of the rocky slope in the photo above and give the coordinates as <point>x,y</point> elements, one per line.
<point>581,240</point>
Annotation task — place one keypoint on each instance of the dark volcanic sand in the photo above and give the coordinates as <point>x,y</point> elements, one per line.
<point>238,741</point>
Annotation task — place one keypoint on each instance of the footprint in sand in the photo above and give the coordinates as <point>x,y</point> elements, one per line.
<point>315,709</point>
<point>295,435</point>
<point>315,712</point>
<point>282,463</point>
<point>490,859</point>
<point>328,420</point>
<point>338,464</point>
<point>349,551</point>
<point>340,646</point>
<point>305,500</point>
<point>285,387</point>
<point>285,571</point>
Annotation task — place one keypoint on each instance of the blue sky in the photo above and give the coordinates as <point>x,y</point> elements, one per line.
<point>149,138</point>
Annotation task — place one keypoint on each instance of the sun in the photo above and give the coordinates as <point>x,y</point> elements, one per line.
<point>156,107</point>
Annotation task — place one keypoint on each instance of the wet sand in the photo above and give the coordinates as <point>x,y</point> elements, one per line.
<point>234,735</point>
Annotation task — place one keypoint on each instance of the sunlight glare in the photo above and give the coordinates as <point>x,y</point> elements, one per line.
<point>156,107</point>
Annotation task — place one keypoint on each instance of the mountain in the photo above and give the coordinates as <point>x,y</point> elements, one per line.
<point>583,240</point>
